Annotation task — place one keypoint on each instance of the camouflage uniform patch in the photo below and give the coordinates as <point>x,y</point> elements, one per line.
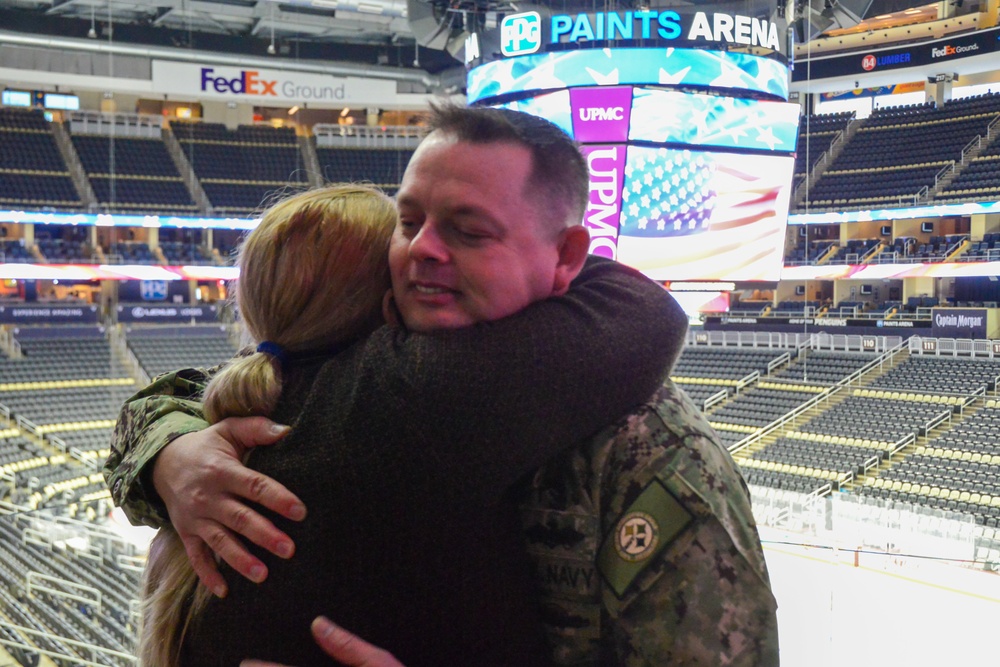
<point>700,595</point>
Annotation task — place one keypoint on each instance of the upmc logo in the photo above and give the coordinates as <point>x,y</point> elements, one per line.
<point>520,34</point>
<point>246,83</point>
<point>601,113</point>
<point>868,63</point>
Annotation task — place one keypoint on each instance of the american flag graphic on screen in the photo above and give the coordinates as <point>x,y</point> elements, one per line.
<point>713,216</point>
<point>667,193</point>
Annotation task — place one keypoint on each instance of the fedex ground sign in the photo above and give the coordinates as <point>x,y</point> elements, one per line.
<point>256,85</point>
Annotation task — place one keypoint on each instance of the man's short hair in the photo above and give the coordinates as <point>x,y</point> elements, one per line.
<point>559,180</point>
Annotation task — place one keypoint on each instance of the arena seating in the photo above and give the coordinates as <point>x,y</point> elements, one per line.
<point>131,252</point>
<point>816,251</point>
<point>749,307</point>
<point>884,430</point>
<point>384,168</point>
<point>42,574</point>
<point>757,407</point>
<point>978,180</point>
<point>14,252</point>
<point>142,177</point>
<point>986,249</point>
<point>956,471</point>
<point>816,133</point>
<point>897,152</point>
<point>827,462</point>
<point>849,308</point>
<point>938,248</point>
<point>855,251</point>
<point>704,371</point>
<point>822,368</point>
<point>188,251</point>
<point>797,307</point>
<point>33,174</point>
<point>241,169</point>
<point>64,245</point>
<point>940,375</point>
<point>161,353</point>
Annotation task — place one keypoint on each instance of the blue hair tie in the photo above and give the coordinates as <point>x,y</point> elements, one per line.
<point>275,350</point>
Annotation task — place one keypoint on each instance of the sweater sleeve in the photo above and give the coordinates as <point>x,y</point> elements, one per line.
<point>487,404</point>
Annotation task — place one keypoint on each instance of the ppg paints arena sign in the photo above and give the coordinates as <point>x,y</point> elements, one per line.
<point>528,32</point>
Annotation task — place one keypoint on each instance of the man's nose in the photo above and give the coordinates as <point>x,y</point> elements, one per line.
<point>428,246</point>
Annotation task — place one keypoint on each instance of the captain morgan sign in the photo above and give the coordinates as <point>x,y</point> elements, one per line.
<point>263,86</point>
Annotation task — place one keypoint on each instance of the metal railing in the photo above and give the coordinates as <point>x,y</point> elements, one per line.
<point>743,338</point>
<point>853,342</point>
<point>116,124</point>
<point>714,399</point>
<point>978,141</point>
<point>34,586</point>
<point>746,381</point>
<point>26,424</point>
<point>992,127</point>
<point>954,347</point>
<point>82,457</point>
<point>364,136</point>
<point>779,361</point>
<point>64,658</point>
<point>131,563</point>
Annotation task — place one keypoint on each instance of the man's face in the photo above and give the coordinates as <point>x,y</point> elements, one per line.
<point>469,245</point>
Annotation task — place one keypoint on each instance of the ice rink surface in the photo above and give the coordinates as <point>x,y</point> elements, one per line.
<point>886,611</point>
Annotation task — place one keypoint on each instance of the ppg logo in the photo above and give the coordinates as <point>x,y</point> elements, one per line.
<point>520,34</point>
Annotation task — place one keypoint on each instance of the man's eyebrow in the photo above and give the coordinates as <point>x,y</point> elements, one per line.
<point>405,200</point>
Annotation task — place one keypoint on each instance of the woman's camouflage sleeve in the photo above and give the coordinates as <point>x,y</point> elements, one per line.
<point>166,409</point>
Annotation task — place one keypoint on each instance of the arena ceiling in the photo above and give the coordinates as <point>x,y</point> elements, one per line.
<point>403,33</point>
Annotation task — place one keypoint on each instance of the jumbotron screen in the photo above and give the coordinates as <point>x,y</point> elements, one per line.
<point>689,182</point>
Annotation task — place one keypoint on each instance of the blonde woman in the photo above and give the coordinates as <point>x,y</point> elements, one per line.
<point>404,449</point>
<point>327,248</point>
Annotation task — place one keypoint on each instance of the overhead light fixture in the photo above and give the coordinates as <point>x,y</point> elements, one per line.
<point>327,4</point>
<point>346,111</point>
<point>92,33</point>
<point>369,8</point>
<point>294,110</point>
<point>270,47</point>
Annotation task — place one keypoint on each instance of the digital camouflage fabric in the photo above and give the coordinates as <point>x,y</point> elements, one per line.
<point>165,410</point>
<point>646,550</point>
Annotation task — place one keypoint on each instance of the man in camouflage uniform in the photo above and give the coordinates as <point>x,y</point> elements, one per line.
<point>646,549</point>
<point>644,544</point>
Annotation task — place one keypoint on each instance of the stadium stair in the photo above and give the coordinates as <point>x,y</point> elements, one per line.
<point>836,147</point>
<point>187,173</point>
<point>311,160</point>
<point>76,172</point>
<point>791,429</point>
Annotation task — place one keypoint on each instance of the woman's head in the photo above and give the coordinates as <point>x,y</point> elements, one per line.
<point>312,276</point>
<point>313,273</point>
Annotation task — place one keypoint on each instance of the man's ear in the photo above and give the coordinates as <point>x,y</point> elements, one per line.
<point>574,242</point>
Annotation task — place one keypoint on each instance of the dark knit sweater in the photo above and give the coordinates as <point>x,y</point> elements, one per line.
<point>403,450</point>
